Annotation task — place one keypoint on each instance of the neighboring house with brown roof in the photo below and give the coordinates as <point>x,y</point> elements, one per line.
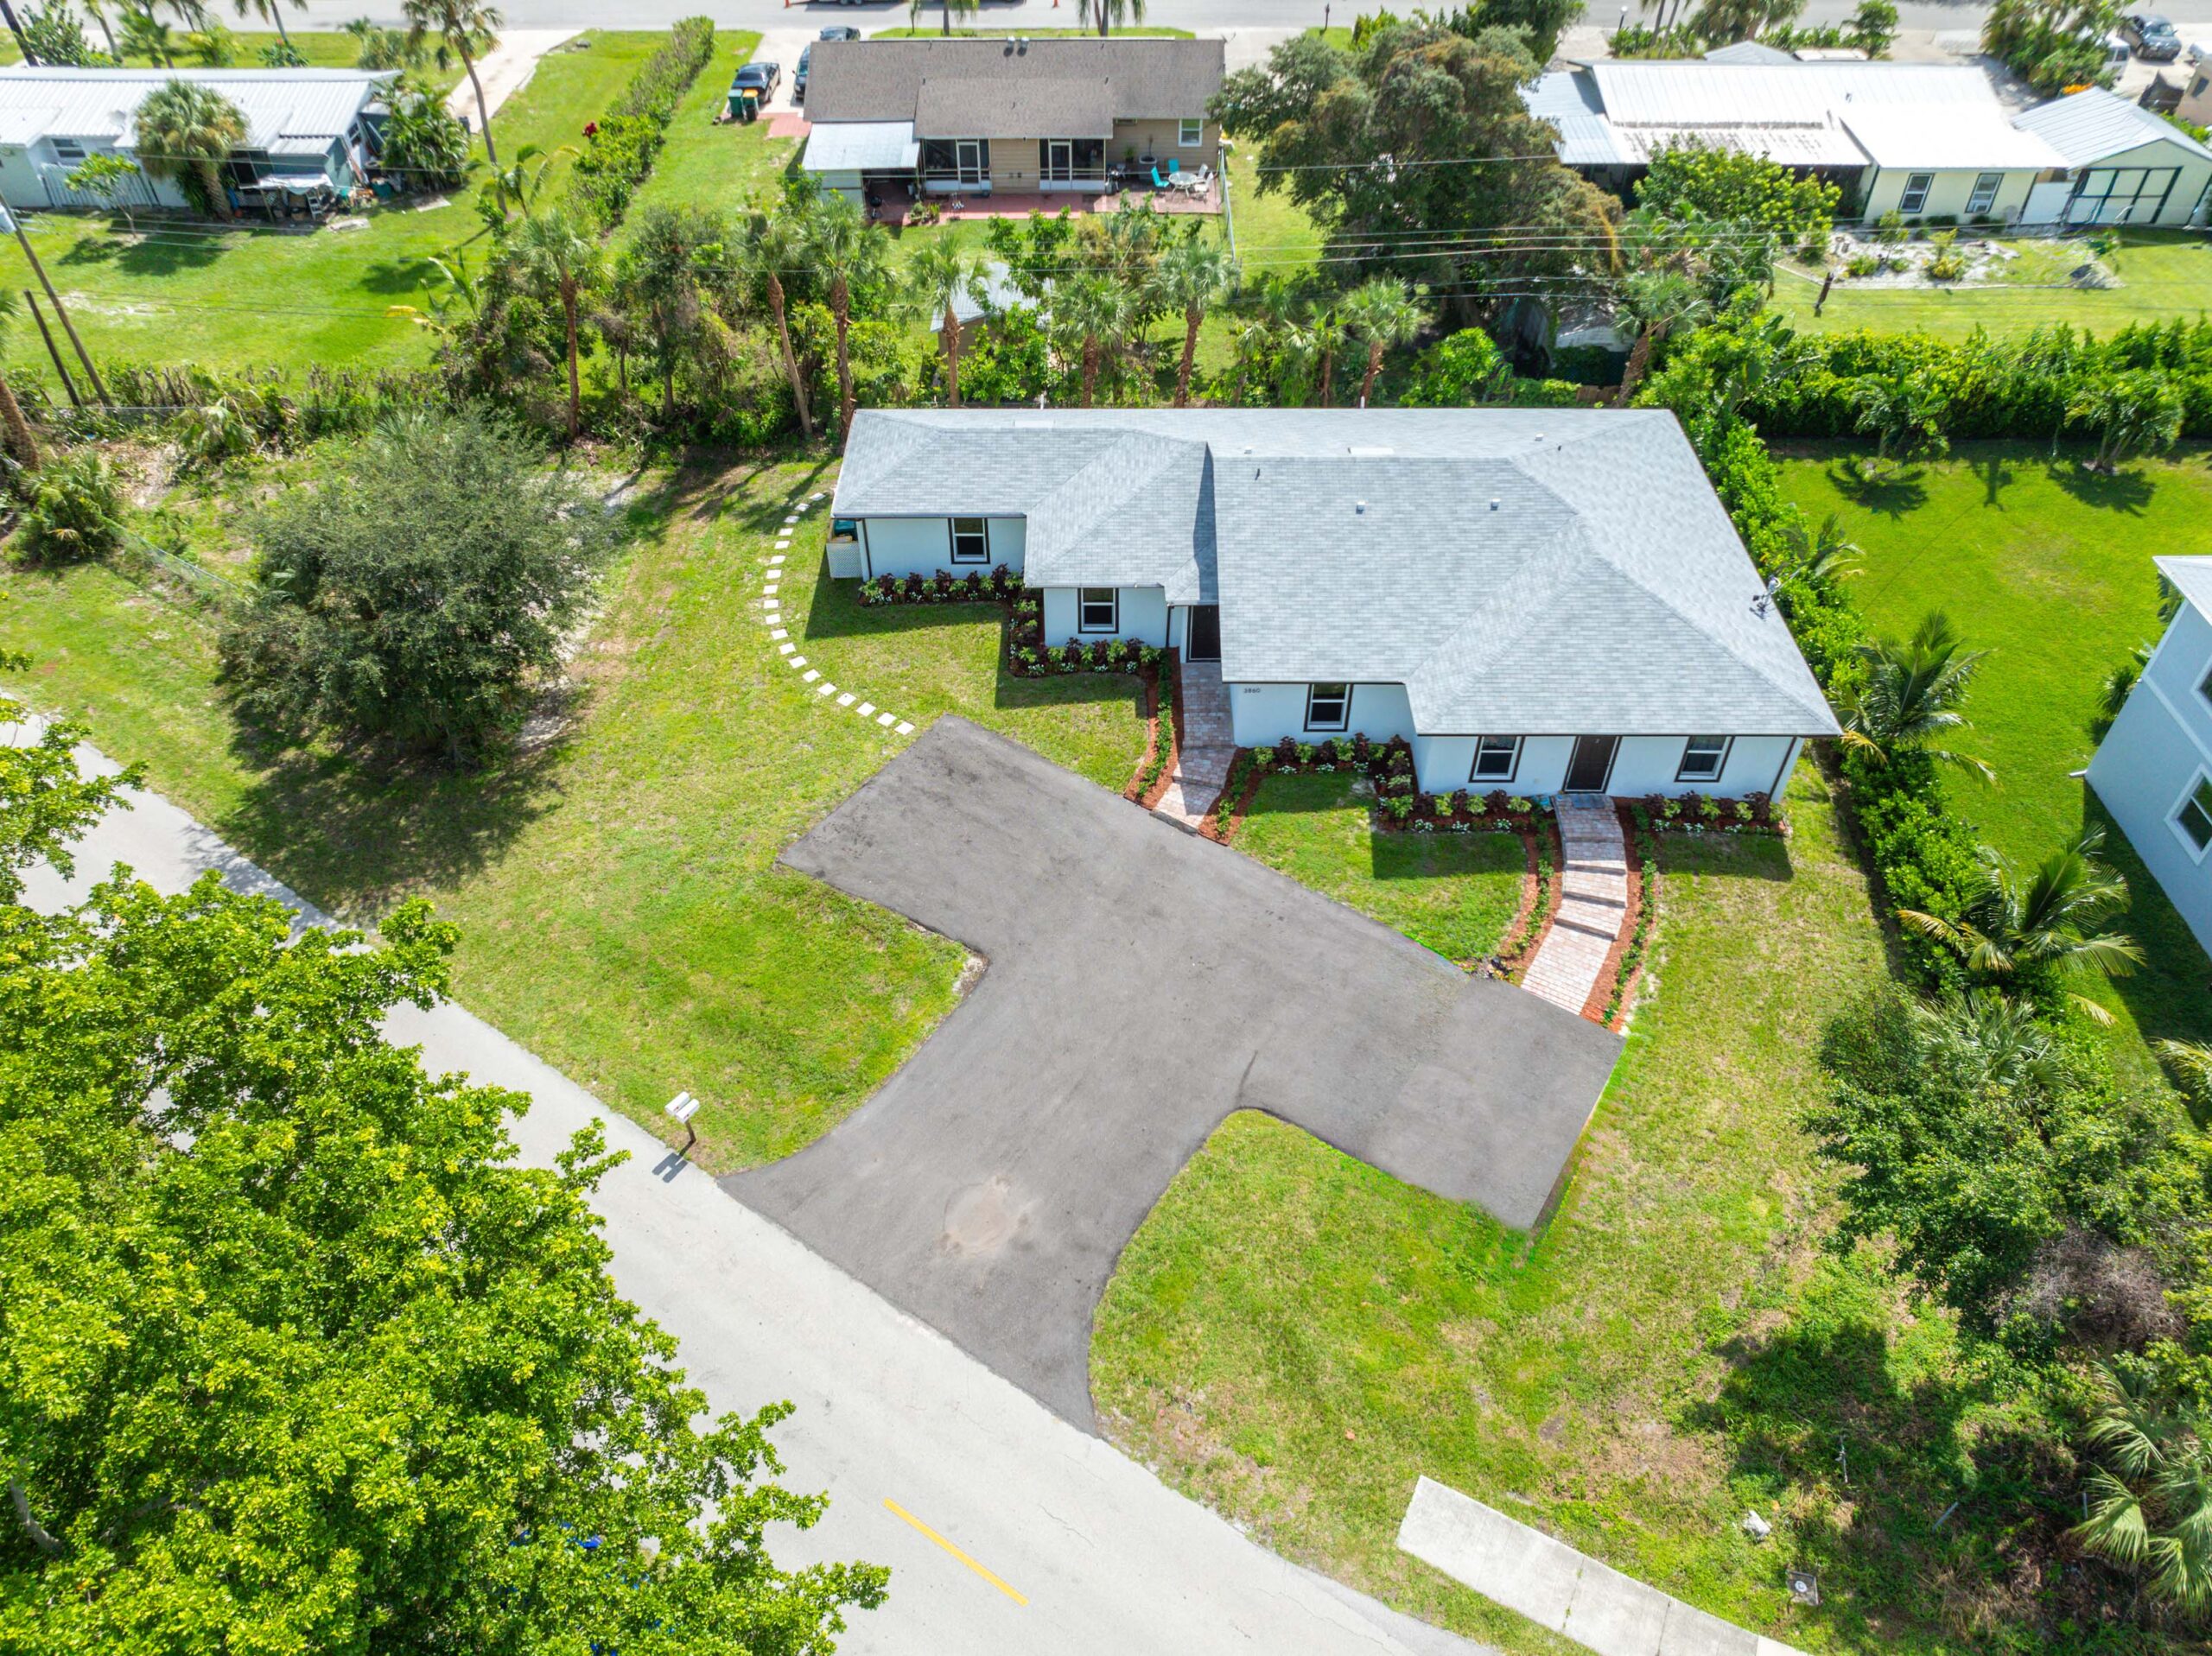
<point>1012,115</point>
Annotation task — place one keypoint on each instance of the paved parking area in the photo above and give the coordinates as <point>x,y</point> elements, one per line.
<point>1141,984</point>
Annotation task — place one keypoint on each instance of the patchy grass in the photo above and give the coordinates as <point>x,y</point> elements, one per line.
<point>1294,1337</point>
<point>2048,569</point>
<point>622,911</point>
<point>1455,893</point>
<point>182,291</point>
<point>2162,274</point>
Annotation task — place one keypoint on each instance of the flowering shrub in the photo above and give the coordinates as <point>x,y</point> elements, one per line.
<point>1700,813</point>
<point>942,588</point>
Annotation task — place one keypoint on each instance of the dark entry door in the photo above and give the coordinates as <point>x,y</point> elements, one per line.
<point>1592,764</point>
<point>1204,644</point>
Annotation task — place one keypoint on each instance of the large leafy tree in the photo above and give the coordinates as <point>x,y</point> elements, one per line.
<point>186,129</point>
<point>292,1355</point>
<point>662,282</point>
<point>1419,160</point>
<point>420,589</point>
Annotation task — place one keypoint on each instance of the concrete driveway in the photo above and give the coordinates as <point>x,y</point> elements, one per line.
<point>1142,983</point>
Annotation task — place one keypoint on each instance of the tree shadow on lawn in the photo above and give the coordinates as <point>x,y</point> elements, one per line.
<point>194,251</point>
<point>2127,492</point>
<point>1997,475</point>
<point>1862,1448</point>
<point>356,829</point>
<point>1888,494</point>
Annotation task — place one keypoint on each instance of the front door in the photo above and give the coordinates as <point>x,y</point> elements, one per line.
<point>1204,641</point>
<point>1059,160</point>
<point>968,157</point>
<point>1592,764</point>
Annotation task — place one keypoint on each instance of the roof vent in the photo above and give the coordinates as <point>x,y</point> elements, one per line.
<point>1493,503</point>
<point>1360,507</point>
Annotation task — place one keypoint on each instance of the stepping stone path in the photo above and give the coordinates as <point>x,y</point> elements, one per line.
<point>780,634</point>
<point>1209,744</point>
<point>1592,907</point>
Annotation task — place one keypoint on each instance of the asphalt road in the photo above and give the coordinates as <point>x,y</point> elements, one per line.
<point>1009,1531</point>
<point>1142,983</point>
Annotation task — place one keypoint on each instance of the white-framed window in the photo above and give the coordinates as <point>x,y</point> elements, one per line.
<point>2193,816</point>
<point>1190,133</point>
<point>1704,757</point>
<point>1328,707</point>
<point>971,541</point>
<point>1496,757</point>
<point>1986,186</point>
<point>1916,186</point>
<point>1097,609</point>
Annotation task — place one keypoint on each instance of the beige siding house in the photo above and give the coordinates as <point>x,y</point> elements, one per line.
<point>1010,116</point>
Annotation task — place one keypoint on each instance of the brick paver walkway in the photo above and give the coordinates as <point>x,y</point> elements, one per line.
<point>1209,744</point>
<point>1592,908</point>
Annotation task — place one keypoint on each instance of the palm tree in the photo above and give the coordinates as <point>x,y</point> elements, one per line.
<point>1191,276</point>
<point>1903,411</point>
<point>2132,412</point>
<point>2053,919</point>
<point>661,286</point>
<point>848,250</point>
<point>1329,336</point>
<point>1819,556</point>
<point>97,10</point>
<point>1984,1039</point>
<point>774,244</point>
<point>915,8</point>
<point>2151,1505</point>
<point>1380,313</point>
<point>147,36</point>
<point>185,129</point>
<point>22,442</point>
<point>1657,303</point>
<point>1108,13</point>
<point>1098,311</point>
<point>463,25</point>
<point>1911,693</point>
<point>520,184</point>
<point>2192,1065</point>
<point>274,11</point>
<point>937,276</point>
<point>558,255</point>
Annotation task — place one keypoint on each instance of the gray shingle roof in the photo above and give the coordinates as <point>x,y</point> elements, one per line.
<point>2192,578</point>
<point>1140,78</point>
<point>1606,590</point>
<point>1014,109</point>
<point>2088,125</point>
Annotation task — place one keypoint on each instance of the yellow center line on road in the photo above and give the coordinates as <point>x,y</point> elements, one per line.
<point>900,1512</point>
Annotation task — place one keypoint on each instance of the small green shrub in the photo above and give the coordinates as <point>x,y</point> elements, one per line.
<point>74,511</point>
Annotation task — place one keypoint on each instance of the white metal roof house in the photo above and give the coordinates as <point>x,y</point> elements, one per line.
<point>1542,601</point>
<point>1020,115</point>
<point>2124,165</point>
<point>1923,140</point>
<point>2153,769</point>
<point>305,127</point>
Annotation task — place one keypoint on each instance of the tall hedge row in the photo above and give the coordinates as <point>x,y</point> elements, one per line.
<point>618,151</point>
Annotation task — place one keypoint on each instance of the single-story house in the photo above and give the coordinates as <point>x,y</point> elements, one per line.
<point>305,129</point>
<point>2124,164</point>
<point>1015,115</point>
<point>1542,601</point>
<point>2153,769</point>
<point>1924,139</point>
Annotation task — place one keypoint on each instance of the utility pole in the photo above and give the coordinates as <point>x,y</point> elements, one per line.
<point>61,367</point>
<point>67,326</point>
<point>16,30</point>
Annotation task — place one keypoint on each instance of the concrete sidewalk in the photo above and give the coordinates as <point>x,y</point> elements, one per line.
<point>1006,1529</point>
<point>1550,1583</point>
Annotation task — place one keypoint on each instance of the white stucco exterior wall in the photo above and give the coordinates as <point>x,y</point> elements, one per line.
<point>2152,758</point>
<point>1141,610</point>
<point>922,546</point>
<point>1264,713</point>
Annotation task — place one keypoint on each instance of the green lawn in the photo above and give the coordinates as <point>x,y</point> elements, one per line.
<point>194,293</point>
<point>2048,569</point>
<point>2162,274</point>
<point>709,165</point>
<point>621,911</point>
<point>1293,1337</point>
<point>1455,893</point>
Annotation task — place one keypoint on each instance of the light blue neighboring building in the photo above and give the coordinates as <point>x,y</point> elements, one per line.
<point>2153,769</point>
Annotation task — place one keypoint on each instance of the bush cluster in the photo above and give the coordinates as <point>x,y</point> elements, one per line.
<point>942,588</point>
<point>619,148</point>
<point>1086,656</point>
